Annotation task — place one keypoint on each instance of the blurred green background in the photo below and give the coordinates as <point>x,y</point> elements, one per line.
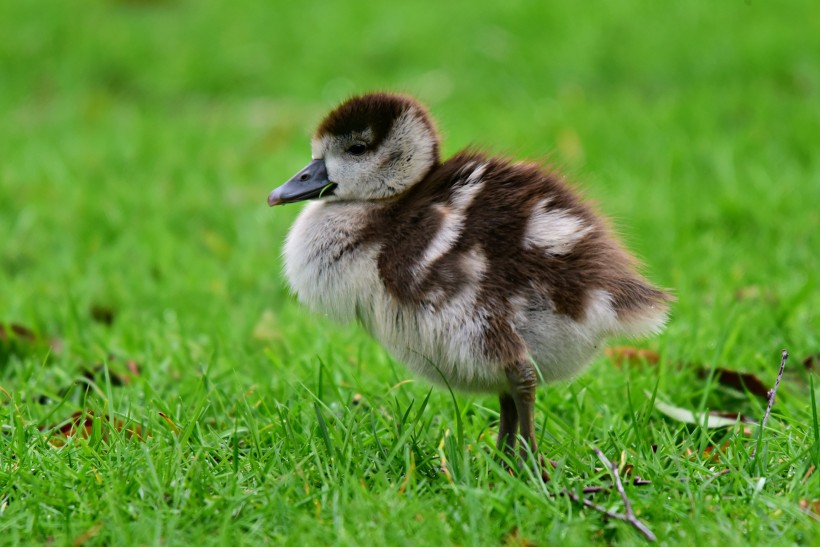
<point>139,140</point>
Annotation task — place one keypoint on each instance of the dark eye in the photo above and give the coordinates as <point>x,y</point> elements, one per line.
<point>357,149</point>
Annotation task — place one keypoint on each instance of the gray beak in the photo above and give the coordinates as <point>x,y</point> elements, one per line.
<point>310,182</point>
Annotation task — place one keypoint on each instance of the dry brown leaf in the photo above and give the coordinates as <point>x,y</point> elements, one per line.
<point>812,506</point>
<point>89,534</point>
<point>133,367</point>
<point>102,314</point>
<point>78,423</point>
<point>18,339</point>
<point>82,424</point>
<point>513,538</point>
<point>710,453</point>
<point>13,331</point>
<point>120,375</point>
<point>632,356</point>
<point>714,453</point>
<point>740,381</point>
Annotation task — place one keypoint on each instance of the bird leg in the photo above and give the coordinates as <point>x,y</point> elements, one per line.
<point>523,381</point>
<point>508,425</point>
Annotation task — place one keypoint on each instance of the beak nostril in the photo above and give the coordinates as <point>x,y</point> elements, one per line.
<point>303,177</point>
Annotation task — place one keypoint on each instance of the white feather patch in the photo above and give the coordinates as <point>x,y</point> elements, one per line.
<point>555,230</point>
<point>453,221</point>
<point>464,195</point>
<point>475,264</point>
<point>448,233</point>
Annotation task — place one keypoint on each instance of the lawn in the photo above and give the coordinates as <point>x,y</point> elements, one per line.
<point>169,389</point>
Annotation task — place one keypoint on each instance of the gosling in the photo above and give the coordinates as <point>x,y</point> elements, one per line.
<point>484,274</point>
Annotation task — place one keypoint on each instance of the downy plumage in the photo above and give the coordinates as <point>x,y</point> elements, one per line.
<point>489,274</point>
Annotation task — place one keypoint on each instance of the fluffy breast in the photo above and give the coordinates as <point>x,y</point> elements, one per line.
<point>330,261</point>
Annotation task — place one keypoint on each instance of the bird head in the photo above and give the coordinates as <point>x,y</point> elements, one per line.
<point>371,147</point>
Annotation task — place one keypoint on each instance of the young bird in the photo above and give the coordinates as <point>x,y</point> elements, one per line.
<point>487,274</point>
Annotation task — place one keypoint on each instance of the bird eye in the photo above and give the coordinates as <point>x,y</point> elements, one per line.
<point>357,149</point>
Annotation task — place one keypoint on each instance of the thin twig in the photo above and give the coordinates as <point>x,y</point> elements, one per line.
<point>592,489</point>
<point>772,393</point>
<point>609,514</point>
<point>630,515</point>
<point>606,488</point>
<point>601,509</point>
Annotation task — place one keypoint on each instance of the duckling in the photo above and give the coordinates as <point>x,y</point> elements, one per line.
<point>478,272</point>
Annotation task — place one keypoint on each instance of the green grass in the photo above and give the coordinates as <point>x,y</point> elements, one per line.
<point>138,142</point>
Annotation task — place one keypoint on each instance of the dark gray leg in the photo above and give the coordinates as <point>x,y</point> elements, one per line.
<point>523,381</point>
<point>508,425</point>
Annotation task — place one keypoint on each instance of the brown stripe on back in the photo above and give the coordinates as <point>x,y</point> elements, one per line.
<point>405,238</point>
<point>407,227</point>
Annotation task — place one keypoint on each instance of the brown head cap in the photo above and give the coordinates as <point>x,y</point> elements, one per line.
<point>376,111</point>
